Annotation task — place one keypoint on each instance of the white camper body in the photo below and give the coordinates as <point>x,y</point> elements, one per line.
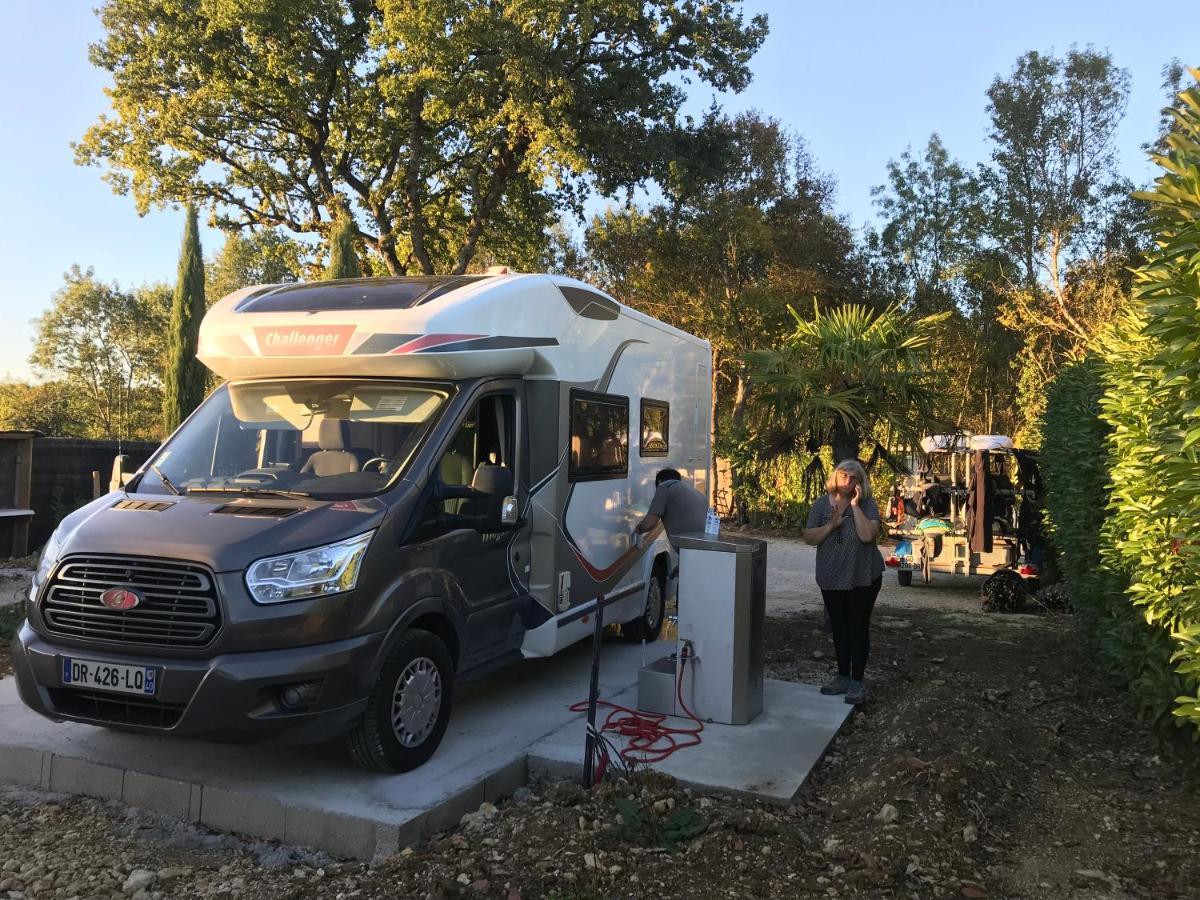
<point>576,349</point>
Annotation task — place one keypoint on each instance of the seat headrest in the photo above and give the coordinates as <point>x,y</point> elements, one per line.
<point>329,437</point>
<point>493,480</point>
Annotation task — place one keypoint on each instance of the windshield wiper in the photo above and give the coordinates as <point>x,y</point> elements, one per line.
<point>238,489</point>
<point>167,483</point>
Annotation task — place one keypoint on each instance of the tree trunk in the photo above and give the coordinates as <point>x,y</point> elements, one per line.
<point>845,441</point>
<point>737,502</point>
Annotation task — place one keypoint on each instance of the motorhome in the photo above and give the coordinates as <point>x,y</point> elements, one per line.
<point>402,483</point>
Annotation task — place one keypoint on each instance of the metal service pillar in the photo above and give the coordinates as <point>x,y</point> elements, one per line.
<point>722,612</point>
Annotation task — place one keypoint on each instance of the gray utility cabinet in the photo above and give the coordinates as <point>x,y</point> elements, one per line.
<point>722,612</point>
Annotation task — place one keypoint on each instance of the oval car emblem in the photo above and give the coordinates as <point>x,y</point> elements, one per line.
<point>120,598</point>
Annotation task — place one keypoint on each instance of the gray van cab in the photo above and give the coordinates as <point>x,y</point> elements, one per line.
<point>329,543</point>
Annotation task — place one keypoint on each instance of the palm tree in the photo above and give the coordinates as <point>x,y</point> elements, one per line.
<point>841,379</point>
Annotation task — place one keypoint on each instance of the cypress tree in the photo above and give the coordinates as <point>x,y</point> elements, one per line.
<point>343,263</point>
<point>186,378</point>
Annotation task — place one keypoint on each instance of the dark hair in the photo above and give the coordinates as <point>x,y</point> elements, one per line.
<point>666,475</point>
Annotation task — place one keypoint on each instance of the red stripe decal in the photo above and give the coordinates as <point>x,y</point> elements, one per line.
<point>601,575</point>
<point>433,340</point>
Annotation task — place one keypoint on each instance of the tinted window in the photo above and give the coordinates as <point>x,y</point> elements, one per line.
<point>656,420</point>
<point>599,436</point>
<point>352,294</point>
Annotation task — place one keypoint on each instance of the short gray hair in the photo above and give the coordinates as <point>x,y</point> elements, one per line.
<point>855,468</point>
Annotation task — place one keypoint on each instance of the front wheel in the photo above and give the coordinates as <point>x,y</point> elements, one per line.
<point>648,625</point>
<point>904,576</point>
<point>408,708</point>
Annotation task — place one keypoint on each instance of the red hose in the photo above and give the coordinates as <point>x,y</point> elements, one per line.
<point>646,731</point>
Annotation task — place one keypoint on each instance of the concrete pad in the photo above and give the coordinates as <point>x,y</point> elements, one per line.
<point>316,795</point>
<point>768,759</point>
<point>504,726</point>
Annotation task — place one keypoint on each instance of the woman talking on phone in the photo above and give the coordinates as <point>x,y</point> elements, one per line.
<point>843,524</point>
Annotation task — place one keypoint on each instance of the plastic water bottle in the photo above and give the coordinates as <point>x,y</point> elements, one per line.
<point>712,523</point>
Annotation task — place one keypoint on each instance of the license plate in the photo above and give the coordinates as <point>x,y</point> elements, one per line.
<point>104,676</point>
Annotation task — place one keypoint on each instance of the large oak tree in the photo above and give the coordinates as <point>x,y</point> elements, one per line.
<point>432,121</point>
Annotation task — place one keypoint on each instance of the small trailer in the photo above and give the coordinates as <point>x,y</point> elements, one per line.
<point>973,508</point>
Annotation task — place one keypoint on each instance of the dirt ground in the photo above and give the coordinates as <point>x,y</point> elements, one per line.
<point>992,760</point>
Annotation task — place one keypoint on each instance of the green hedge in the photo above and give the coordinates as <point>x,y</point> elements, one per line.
<point>1121,458</point>
<point>1153,407</point>
<point>1075,472</point>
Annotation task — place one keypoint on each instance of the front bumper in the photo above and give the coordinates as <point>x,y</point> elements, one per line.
<point>234,696</point>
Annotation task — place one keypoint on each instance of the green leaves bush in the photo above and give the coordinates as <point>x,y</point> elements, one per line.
<point>1133,451</point>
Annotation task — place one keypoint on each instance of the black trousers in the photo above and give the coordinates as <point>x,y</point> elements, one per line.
<point>850,620</point>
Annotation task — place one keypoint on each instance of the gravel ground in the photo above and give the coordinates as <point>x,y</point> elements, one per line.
<point>992,760</point>
<point>790,585</point>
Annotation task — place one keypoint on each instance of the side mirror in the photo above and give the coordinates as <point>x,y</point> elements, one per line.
<point>119,476</point>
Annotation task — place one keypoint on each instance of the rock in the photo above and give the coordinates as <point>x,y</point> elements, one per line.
<point>463,878</point>
<point>481,885</point>
<point>973,890</point>
<point>970,834</point>
<point>660,806</point>
<point>705,802</point>
<point>172,873</point>
<point>589,860</point>
<point>475,821</point>
<point>831,846</point>
<point>887,814</point>
<point>407,851</point>
<point>138,879</point>
<point>818,654</point>
<point>1093,876</point>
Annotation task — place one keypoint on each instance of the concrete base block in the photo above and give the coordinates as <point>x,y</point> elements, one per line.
<point>81,776</point>
<point>26,767</point>
<point>241,813</point>
<point>162,795</point>
<point>348,836</point>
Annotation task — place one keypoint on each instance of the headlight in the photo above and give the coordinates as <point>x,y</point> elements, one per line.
<point>46,562</point>
<point>331,569</point>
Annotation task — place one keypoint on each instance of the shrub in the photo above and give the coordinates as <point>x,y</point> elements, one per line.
<point>1074,469</point>
<point>1151,405</point>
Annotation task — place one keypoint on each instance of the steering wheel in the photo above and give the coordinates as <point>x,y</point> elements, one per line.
<point>382,460</point>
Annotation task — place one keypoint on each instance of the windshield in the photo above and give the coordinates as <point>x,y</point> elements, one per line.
<point>329,439</point>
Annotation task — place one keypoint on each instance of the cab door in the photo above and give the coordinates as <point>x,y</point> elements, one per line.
<point>490,567</point>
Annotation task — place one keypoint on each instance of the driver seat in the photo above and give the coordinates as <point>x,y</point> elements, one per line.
<point>333,458</point>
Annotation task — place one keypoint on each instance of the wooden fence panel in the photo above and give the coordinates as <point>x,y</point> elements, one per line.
<point>62,477</point>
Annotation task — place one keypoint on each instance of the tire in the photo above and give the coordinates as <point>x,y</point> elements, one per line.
<point>904,576</point>
<point>392,735</point>
<point>648,625</point>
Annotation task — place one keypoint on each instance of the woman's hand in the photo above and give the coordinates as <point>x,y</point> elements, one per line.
<point>856,496</point>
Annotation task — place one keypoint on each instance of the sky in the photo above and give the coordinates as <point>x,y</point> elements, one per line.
<point>859,81</point>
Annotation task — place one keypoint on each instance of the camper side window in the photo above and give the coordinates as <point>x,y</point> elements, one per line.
<point>599,436</point>
<point>656,422</point>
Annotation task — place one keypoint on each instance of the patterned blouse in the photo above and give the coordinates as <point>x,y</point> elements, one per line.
<point>843,560</point>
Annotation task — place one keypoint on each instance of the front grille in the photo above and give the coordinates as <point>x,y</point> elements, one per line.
<point>115,708</point>
<point>179,602</point>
